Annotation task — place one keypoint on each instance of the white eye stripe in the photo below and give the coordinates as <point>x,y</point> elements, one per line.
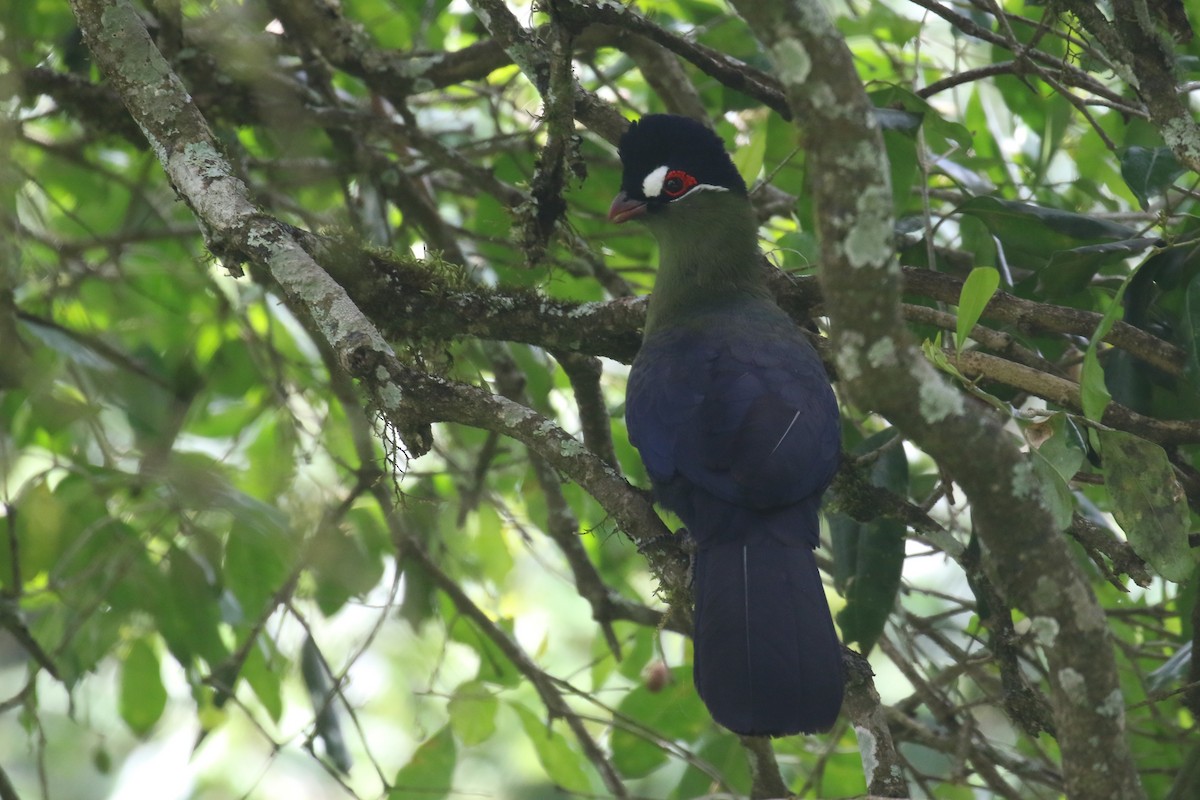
<point>652,184</point>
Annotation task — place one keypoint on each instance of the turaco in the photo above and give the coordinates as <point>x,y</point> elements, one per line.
<point>732,413</point>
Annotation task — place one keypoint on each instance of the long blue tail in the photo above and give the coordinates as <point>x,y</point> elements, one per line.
<point>767,657</point>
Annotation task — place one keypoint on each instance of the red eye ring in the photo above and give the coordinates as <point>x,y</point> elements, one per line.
<point>677,183</point>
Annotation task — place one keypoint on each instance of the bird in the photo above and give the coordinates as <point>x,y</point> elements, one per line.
<point>733,415</point>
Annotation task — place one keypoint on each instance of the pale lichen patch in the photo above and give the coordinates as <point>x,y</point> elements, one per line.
<point>1046,591</point>
<point>848,355</point>
<point>866,749</point>
<point>792,61</point>
<point>869,242</point>
<point>1112,706</point>
<point>391,397</point>
<point>570,447</point>
<point>1181,135</point>
<point>1045,630</point>
<point>1088,616</point>
<point>824,98</point>
<point>1025,481</point>
<point>1073,685</point>
<point>882,353</point>
<point>937,401</point>
<point>513,414</point>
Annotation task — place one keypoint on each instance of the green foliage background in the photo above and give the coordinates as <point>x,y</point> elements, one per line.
<point>221,575</point>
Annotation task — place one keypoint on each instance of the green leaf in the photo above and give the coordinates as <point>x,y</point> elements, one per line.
<point>903,164</point>
<point>473,713</point>
<point>634,659</point>
<point>494,666</point>
<point>749,158</point>
<point>1187,781</point>
<point>1070,271</point>
<point>429,773</point>
<point>232,372</point>
<point>1055,491</point>
<point>1148,503</point>
<point>1065,248</point>
<point>261,671</point>
<point>1059,442</point>
<point>142,694</point>
<point>272,466</point>
<point>1032,229</point>
<point>634,755</point>
<point>1190,331</point>
<point>562,763</point>
<point>1149,171</point>
<point>70,347</point>
<point>185,606</point>
<point>1174,670</point>
<point>41,522</point>
<point>1092,389</point>
<point>347,560</point>
<point>878,21</point>
<point>59,532</point>
<point>977,291</point>
<point>723,755</point>
<point>1094,392</point>
<point>255,566</point>
<point>675,712</point>
<point>869,557</point>
<point>941,135</point>
<point>323,694</point>
<point>895,119</point>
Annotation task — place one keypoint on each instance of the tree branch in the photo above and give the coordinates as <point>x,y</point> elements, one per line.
<point>531,55</point>
<point>1135,43</point>
<point>1066,393</point>
<point>1033,317</point>
<point>882,765</point>
<point>880,368</point>
<point>408,398</point>
<point>546,688</point>
<point>731,72</point>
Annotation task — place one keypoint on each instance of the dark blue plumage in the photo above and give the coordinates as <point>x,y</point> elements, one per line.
<point>732,412</point>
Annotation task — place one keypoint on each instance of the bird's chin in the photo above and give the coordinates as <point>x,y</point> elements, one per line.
<point>625,208</point>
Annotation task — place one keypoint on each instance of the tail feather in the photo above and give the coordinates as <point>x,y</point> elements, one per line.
<point>767,657</point>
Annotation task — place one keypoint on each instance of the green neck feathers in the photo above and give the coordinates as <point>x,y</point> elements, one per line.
<point>708,257</point>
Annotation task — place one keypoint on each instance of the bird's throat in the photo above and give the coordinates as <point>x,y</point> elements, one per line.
<point>708,257</point>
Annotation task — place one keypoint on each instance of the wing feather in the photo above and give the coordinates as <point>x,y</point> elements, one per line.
<point>756,426</point>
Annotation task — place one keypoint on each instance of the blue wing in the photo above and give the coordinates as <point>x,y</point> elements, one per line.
<point>740,416</point>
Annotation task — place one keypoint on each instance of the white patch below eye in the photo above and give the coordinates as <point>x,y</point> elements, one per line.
<point>652,184</point>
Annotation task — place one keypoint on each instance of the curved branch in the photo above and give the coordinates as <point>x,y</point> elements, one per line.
<point>1070,73</point>
<point>1149,66</point>
<point>1034,317</point>
<point>533,58</point>
<point>731,72</point>
<point>543,683</point>
<point>1067,394</point>
<point>883,766</point>
<point>562,525</point>
<point>408,398</point>
<point>389,74</point>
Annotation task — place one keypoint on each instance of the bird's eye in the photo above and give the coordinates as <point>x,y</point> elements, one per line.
<point>677,183</point>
